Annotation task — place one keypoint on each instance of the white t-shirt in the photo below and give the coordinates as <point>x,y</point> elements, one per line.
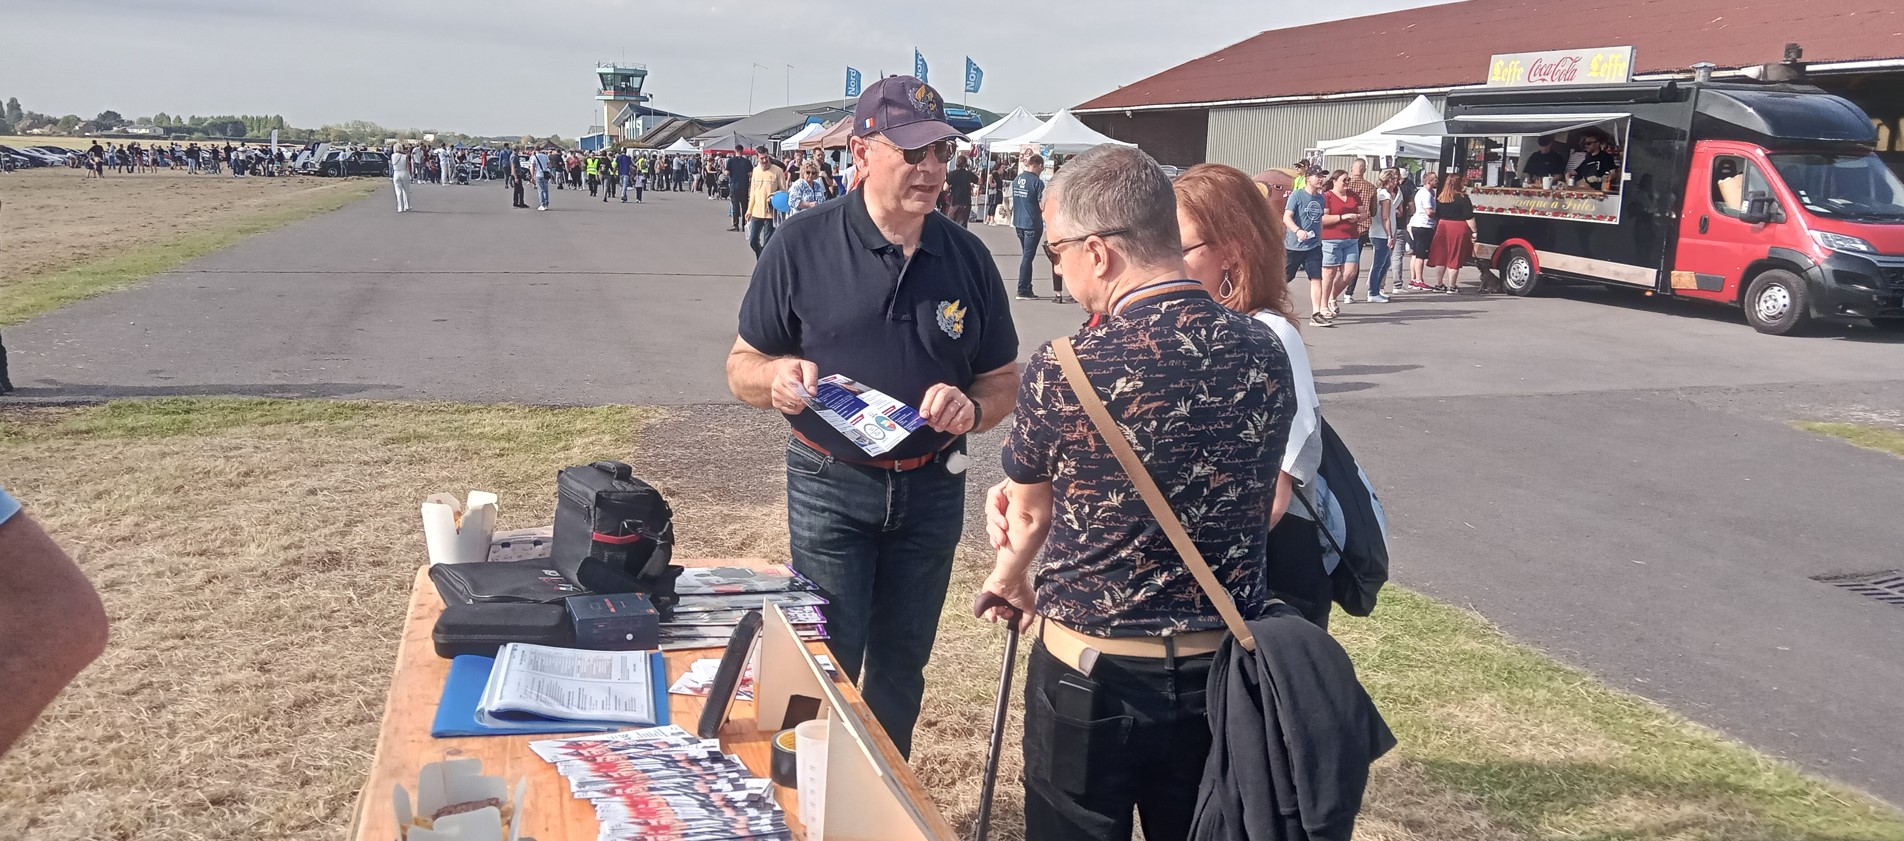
<point>1424,202</point>
<point>1303,455</point>
<point>1383,217</point>
<point>400,165</point>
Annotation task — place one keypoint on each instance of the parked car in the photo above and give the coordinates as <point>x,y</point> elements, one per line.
<point>16,159</point>
<point>354,163</point>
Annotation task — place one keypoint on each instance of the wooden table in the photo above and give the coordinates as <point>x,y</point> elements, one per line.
<point>404,744</point>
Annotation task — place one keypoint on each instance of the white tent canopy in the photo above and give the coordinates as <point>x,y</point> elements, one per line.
<point>1018,122</point>
<point>1377,141</point>
<point>809,130</point>
<point>1063,133</point>
<point>681,145</point>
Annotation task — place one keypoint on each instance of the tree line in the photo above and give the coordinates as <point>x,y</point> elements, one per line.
<point>15,120</point>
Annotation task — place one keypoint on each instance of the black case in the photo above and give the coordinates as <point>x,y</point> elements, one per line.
<point>482,628</point>
<point>524,582</point>
<point>603,512</point>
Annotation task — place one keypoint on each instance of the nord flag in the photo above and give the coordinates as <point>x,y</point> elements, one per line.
<point>852,82</point>
<point>919,66</point>
<point>974,76</point>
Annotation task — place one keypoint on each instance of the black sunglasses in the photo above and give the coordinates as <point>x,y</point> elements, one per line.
<point>1051,247</point>
<point>941,149</point>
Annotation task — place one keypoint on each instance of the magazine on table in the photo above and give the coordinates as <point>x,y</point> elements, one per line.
<point>725,581</point>
<point>662,783</point>
<point>610,689</point>
<point>804,614</point>
<point>873,421</point>
<point>748,601</point>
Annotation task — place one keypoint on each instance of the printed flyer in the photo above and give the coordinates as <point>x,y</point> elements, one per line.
<point>867,417</point>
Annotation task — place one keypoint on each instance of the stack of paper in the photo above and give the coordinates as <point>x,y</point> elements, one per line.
<point>713,600</point>
<point>662,783</point>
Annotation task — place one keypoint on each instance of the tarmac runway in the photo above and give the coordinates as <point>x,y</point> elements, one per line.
<point>1608,477</point>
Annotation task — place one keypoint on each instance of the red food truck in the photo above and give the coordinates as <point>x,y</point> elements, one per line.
<point>1764,196</point>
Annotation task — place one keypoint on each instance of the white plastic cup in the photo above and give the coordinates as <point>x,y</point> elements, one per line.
<point>809,747</point>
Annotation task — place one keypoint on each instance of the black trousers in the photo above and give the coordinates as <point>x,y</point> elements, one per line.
<point>737,202</point>
<point>515,188</point>
<point>1144,746</point>
<point>5,383</point>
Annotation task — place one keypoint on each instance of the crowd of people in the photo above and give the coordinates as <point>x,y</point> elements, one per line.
<point>240,159</point>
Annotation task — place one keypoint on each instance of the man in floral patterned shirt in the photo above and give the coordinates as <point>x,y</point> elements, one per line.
<point>1114,699</point>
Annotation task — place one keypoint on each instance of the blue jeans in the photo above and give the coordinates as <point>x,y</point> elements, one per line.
<point>624,189</point>
<point>758,232</point>
<point>1378,272</point>
<point>542,190</point>
<point>1028,241</point>
<point>880,544</point>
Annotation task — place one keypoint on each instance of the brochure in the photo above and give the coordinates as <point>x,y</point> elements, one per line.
<point>866,416</point>
<point>535,682</point>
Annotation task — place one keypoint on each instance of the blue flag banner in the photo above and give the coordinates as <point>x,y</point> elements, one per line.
<point>852,82</point>
<point>974,75</point>
<point>919,66</point>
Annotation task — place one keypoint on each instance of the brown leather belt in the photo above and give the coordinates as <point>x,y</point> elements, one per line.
<point>1068,644</point>
<point>896,465</point>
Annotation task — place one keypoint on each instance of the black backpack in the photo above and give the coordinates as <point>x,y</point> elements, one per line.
<point>1361,555</point>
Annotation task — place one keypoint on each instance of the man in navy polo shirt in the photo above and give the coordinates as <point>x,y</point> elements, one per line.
<point>880,288</point>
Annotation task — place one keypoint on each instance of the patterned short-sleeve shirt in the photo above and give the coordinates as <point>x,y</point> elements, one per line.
<point>1204,394</point>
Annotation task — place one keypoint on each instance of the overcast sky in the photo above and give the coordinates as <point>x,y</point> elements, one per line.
<point>526,66</point>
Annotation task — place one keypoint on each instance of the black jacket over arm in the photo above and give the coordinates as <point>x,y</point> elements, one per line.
<point>1293,734</point>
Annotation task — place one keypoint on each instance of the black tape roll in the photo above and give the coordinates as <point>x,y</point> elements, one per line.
<point>784,771</point>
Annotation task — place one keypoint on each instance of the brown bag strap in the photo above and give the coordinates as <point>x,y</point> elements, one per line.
<point>1113,435</point>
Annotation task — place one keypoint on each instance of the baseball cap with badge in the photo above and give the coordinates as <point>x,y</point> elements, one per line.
<point>904,110</point>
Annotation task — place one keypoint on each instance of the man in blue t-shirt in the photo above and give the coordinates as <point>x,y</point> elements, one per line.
<point>1302,224</point>
<point>1028,199</point>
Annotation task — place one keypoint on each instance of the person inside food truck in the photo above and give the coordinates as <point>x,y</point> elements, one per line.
<point>1547,161</point>
<point>1599,170</point>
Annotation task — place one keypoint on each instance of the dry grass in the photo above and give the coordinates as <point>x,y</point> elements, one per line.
<point>255,557</point>
<point>67,236</point>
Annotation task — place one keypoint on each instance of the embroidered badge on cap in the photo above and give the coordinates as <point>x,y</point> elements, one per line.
<point>952,318</point>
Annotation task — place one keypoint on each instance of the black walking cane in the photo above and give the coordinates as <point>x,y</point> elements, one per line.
<point>987,601</point>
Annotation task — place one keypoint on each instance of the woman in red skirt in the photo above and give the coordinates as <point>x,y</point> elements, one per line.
<point>1454,232</point>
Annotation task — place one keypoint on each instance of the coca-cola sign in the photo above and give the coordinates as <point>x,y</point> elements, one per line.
<point>1598,66</point>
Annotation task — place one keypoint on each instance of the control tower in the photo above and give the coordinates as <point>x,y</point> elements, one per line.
<point>619,88</point>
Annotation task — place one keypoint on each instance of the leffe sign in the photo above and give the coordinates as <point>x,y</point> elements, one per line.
<point>1597,66</point>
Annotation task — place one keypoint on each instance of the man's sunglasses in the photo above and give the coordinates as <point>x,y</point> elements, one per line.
<point>1051,247</point>
<point>941,149</point>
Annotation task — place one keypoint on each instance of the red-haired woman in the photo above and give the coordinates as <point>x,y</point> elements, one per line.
<point>1454,232</point>
<point>1233,245</point>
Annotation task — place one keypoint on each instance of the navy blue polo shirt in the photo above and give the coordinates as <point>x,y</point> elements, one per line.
<point>830,289</point>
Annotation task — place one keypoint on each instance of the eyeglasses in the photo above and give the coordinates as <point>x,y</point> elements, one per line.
<point>1186,251</point>
<point>1051,247</point>
<point>941,149</point>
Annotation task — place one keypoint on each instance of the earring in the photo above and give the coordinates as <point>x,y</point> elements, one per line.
<point>1226,288</point>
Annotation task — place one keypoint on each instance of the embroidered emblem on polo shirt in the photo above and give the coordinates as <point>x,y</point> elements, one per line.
<point>952,318</point>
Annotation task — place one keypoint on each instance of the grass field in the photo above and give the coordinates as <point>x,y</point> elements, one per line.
<point>68,237</point>
<point>255,555</point>
<point>1880,438</point>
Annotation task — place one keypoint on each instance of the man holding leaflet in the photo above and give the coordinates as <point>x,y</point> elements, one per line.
<point>883,290</point>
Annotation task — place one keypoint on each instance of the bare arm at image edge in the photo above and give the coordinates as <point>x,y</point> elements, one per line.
<point>50,618</point>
